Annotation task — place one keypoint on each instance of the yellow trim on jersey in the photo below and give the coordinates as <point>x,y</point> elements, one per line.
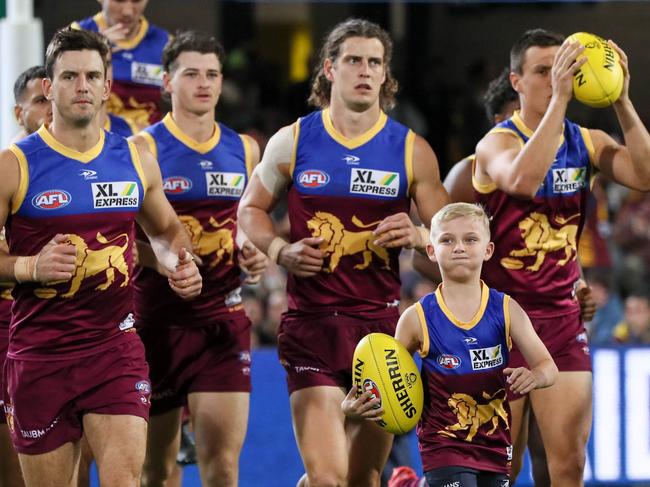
<point>519,123</point>
<point>356,141</point>
<point>481,188</point>
<point>57,146</point>
<point>424,350</point>
<point>589,144</point>
<point>107,124</point>
<point>200,147</point>
<point>151,142</point>
<point>137,164</point>
<point>127,44</point>
<point>75,25</point>
<point>294,150</point>
<point>408,159</point>
<point>23,182</point>
<point>506,316</point>
<point>248,155</point>
<point>465,325</point>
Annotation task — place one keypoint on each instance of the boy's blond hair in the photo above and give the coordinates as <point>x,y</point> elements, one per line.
<point>458,210</point>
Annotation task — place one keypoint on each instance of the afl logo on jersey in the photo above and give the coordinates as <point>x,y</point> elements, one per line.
<point>313,178</point>
<point>52,199</point>
<point>177,185</point>
<point>448,361</point>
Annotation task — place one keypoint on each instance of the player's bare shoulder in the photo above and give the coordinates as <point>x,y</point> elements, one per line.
<point>10,170</point>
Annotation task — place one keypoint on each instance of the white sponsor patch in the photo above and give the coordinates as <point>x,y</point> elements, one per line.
<point>128,322</point>
<point>374,182</point>
<point>225,183</point>
<point>233,298</point>
<point>569,179</point>
<point>116,194</point>
<point>147,74</point>
<point>486,358</point>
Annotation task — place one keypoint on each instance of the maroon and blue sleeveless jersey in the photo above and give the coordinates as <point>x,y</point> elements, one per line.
<point>340,190</point>
<point>204,182</point>
<point>536,240</point>
<point>93,197</point>
<point>137,71</point>
<point>465,420</point>
<point>119,125</point>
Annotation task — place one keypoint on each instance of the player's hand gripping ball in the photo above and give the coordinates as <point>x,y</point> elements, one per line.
<point>383,366</point>
<point>599,82</point>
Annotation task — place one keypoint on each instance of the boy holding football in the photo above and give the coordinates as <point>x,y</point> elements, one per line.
<point>463,333</point>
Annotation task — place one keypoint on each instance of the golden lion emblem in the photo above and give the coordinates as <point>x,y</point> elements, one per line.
<point>339,242</point>
<point>541,238</point>
<point>106,260</point>
<point>219,242</point>
<point>471,415</point>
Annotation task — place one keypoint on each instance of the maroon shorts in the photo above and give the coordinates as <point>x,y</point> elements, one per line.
<point>207,358</point>
<point>4,345</point>
<point>46,400</point>
<point>318,350</point>
<point>566,340</point>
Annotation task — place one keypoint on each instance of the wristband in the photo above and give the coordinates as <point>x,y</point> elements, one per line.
<point>274,249</point>
<point>25,268</point>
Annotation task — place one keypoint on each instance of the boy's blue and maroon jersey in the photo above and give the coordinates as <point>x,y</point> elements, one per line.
<point>137,71</point>
<point>537,240</point>
<point>203,182</point>
<point>466,414</point>
<point>340,190</point>
<point>93,197</point>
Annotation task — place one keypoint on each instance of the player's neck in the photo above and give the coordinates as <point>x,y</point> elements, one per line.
<point>531,118</point>
<point>198,127</point>
<point>80,139</point>
<point>352,124</point>
<point>462,298</point>
<point>131,35</point>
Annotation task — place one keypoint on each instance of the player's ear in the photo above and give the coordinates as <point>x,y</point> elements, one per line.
<point>167,79</point>
<point>489,250</point>
<point>107,89</point>
<point>18,111</point>
<point>328,65</point>
<point>514,81</point>
<point>47,88</point>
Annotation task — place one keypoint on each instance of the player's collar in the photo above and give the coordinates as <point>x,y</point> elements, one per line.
<point>356,141</point>
<point>126,44</point>
<point>66,151</point>
<point>523,128</point>
<point>200,147</point>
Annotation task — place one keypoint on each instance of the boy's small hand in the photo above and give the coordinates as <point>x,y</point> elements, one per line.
<point>362,407</point>
<point>521,380</point>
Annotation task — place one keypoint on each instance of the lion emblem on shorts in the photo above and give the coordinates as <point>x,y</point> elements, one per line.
<point>219,242</point>
<point>471,415</point>
<point>541,238</point>
<point>107,260</point>
<point>338,241</point>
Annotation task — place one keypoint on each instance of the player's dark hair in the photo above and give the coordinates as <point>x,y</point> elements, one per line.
<point>531,38</point>
<point>35,72</point>
<point>498,94</point>
<point>321,87</point>
<point>69,39</point>
<point>190,40</point>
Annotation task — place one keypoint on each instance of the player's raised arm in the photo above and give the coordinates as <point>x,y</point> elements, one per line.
<point>270,179</point>
<point>627,164</point>
<point>501,158</point>
<point>543,371</point>
<point>168,238</point>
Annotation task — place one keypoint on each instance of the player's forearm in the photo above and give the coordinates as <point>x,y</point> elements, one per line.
<point>258,226</point>
<point>535,159</point>
<point>168,243</point>
<point>7,267</point>
<point>545,373</point>
<point>637,139</point>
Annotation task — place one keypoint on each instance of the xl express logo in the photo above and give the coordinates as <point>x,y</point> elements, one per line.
<point>116,194</point>
<point>225,183</point>
<point>374,182</point>
<point>486,358</point>
<point>569,179</point>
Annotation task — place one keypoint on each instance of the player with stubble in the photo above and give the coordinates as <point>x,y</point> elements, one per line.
<point>69,198</point>
<point>350,174</point>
